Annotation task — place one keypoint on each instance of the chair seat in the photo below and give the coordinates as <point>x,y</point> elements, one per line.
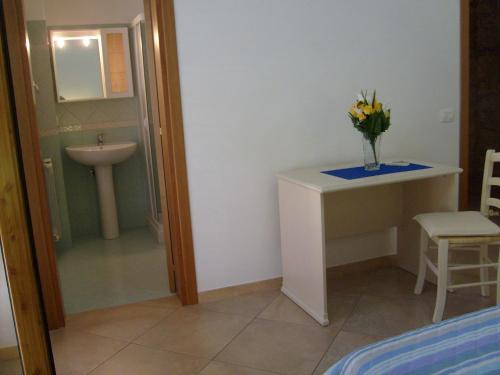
<point>461,224</point>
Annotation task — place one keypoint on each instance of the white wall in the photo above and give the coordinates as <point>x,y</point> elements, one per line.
<point>265,88</point>
<point>7,330</point>
<point>91,12</point>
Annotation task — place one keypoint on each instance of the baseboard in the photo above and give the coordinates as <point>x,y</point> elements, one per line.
<point>362,266</point>
<point>238,290</point>
<point>276,283</point>
<point>156,228</point>
<point>9,352</point>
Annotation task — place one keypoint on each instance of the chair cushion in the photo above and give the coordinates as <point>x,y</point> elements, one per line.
<point>464,223</point>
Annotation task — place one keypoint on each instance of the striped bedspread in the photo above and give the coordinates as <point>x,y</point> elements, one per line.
<point>469,344</point>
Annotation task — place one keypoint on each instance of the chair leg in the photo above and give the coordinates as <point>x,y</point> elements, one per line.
<point>450,273</point>
<point>422,266</point>
<point>498,279</point>
<point>483,259</point>
<point>442,280</point>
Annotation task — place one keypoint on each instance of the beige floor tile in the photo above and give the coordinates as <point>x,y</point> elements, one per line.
<point>278,346</point>
<point>284,309</point>
<point>124,322</point>
<point>192,331</point>
<point>459,304</point>
<point>384,316</point>
<point>219,368</point>
<point>328,360</point>
<point>350,284</point>
<point>139,360</point>
<point>77,352</point>
<point>11,367</point>
<point>391,281</point>
<point>248,304</point>
<point>344,343</point>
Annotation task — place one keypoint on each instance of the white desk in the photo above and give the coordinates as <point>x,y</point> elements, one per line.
<point>316,208</point>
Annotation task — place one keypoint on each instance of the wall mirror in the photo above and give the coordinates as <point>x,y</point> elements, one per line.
<point>91,64</point>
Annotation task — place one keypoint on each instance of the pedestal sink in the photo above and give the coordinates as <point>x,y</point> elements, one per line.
<point>102,157</point>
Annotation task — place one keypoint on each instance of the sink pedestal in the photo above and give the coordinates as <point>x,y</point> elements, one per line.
<point>107,202</point>
<point>102,157</point>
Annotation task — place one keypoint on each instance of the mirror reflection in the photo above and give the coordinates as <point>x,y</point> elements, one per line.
<point>77,67</point>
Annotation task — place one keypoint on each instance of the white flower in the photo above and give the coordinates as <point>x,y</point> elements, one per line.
<point>360,98</point>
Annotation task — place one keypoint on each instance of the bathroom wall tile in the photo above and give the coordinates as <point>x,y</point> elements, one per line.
<point>76,186</point>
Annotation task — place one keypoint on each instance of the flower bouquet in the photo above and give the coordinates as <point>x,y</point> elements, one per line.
<point>371,118</point>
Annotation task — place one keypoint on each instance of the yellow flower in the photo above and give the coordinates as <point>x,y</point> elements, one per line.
<point>367,109</point>
<point>361,116</point>
<point>377,106</point>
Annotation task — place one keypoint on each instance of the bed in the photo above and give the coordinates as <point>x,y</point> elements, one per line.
<point>468,344</point>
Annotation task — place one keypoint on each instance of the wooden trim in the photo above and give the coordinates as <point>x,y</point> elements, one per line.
<point>15,239</point>
<point>32,162</point>
<point>464,102</point>
<point>174,157</point>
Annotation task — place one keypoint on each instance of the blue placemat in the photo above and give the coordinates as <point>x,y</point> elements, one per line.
<point>354,173</point>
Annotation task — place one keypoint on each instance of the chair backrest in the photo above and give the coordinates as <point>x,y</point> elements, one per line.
<point>487,202</point>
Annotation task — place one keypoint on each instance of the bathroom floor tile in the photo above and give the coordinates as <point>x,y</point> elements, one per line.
<point>219,368</point>
<point>77,353</point>
<point>139,360</point>
<point>280,347</point>
<point>194,331</point>
<point>122,322</point>
<point>97,273</point>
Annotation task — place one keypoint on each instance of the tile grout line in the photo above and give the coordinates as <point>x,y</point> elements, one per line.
<point>238,334</point>
<point>339,331</point>
<point>107,359</point>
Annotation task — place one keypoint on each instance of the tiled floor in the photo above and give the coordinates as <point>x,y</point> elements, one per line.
<point>97,273</point>
<point>259,333</point>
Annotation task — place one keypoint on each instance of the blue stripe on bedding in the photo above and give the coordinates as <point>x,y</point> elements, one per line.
<point>469,344</point>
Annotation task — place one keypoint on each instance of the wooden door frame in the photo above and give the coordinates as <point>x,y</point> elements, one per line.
<point>177,220</point>
<point>32,162</point>
<point>15,238</point>
<point>464,102</point>
<point>160,15</point>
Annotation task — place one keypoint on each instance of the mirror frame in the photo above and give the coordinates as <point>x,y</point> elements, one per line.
<point>100,33</point>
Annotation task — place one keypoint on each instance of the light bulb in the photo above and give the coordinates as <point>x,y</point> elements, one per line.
<point>86,42</point>
<point>60,43</point>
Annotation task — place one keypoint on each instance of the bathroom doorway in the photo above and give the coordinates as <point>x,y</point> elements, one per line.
<point>101,252</point>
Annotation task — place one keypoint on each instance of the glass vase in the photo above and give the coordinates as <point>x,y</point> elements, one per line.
<point>371,151</point>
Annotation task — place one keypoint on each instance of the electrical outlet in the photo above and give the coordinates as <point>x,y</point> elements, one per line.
<point>447,115</point>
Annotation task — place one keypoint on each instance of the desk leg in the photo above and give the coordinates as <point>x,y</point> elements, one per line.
<point>303,248</point>
<point>437,194</point>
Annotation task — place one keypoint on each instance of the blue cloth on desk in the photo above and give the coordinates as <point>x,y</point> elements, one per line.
<point>354,173</point>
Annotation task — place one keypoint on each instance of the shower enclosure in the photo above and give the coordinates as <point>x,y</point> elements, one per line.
<point>149,133</point>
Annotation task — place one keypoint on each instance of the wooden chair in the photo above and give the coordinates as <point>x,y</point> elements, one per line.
<point>465,231</point>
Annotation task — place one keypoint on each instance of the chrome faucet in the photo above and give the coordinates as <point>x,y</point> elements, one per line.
<point>100,139</point>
